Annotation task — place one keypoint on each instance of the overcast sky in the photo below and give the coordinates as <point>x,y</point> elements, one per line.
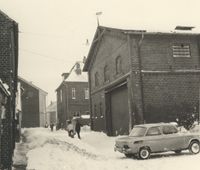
<point>53,33</point>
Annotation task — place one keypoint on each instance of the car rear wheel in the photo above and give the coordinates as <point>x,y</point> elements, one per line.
<point>194,147</point>
<point>144,153</point>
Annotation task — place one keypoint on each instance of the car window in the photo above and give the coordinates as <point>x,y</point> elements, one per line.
<point>169,130</point>
<point>138,131</point>
<point>153,131</point>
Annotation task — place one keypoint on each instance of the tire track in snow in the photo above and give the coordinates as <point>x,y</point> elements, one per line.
<point>70,146</point>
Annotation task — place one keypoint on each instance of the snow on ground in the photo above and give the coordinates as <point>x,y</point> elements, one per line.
<point>56,151</point>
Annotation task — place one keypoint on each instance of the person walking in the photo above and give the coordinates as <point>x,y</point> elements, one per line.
<point>70,129</point>
<point>51,126</point>
<point>78,128</point>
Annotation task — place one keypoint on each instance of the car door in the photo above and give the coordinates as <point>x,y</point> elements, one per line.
<point>172,139</point>
<point>153,139</point>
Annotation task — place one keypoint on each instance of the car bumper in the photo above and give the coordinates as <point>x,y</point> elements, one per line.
<point>123,150</point>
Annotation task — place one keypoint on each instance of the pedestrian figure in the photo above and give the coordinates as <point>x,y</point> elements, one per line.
<point>46,125</point>
<point>78,128</point>
<point>70,129</point>
<point>51,126</point>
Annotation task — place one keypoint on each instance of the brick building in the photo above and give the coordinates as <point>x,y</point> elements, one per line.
<point>138,76</point>
<point>33,104</point>
<point>8,75</point>
<point>73,94</point>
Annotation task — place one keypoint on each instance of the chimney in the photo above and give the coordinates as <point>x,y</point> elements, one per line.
<point>65,75</point>
<point>84,59</point>
<point>78,69</point>
<point>184,28</point>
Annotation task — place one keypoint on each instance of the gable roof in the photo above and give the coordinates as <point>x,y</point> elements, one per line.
<point>32,85</point>
<point>101,29</point>
<point>6,16</point>
<point>74,77</point>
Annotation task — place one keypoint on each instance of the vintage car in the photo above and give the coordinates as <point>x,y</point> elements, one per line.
<point>153,138</point>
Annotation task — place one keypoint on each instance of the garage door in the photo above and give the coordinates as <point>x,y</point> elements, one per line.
<point>119,111</point>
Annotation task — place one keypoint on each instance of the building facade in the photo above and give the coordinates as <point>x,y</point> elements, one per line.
<point>73,94</point>
<point>33,104</point>
<point>52,113</point>
<point>8,76</point>
<point>141,77</point>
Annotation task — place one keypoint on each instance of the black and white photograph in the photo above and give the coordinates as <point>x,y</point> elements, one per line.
<point>99,85</point>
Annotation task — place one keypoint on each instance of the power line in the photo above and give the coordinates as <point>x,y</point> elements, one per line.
<point>42,34</point>
<point>42,55</point>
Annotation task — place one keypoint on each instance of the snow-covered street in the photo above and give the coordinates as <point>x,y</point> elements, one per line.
<point>46,150</point>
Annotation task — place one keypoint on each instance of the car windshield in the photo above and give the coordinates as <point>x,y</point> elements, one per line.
<point>138,131</point>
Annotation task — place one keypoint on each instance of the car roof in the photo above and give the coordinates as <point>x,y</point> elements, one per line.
<point>148,125</point>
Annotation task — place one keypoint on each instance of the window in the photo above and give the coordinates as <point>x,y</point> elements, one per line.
<point>118,64</point>
<point>61,95</point>
<point>138,131</point>
<point>106,73</point>
<point>3,112</point>
<point>96,79</point>
<point>181,50</point>
<point>73,93</point>
<point>169,130</point>
<point>153,131</point>
<point>86,93</point>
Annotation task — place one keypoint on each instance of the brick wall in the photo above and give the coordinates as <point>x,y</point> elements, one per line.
<point>68,106</point>
<point>8,74</point>
<point>159,97</point>
<point>80,104</point>
<point>111,46</point>
<point>157,54</point>
<point>97,119</point>
<point>167,95</point>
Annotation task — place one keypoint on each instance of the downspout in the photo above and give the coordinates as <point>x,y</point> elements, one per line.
<point>130,86</point>
<point>198,44</point>
<point>141,79</point>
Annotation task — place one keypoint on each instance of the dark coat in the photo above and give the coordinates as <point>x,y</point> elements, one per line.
<point>78,127</point>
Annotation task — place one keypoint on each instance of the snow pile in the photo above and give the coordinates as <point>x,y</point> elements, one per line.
<point>195,129</point>
<point>56,151</point>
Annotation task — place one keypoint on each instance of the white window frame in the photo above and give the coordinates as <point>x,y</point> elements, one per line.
<point>86,93</point>
<point>73,93</point>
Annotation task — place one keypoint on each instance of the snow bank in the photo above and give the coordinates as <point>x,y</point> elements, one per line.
<point>56,151</point>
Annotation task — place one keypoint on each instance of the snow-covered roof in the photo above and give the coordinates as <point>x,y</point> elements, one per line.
<point>31,84</point>
<point>74,77</point>
<point>52,107</point>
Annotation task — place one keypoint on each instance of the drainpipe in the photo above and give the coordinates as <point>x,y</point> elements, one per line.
<point>141,80</point>
<point>138,75</point>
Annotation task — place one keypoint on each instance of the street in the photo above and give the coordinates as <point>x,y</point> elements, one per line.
<point>42,149</point>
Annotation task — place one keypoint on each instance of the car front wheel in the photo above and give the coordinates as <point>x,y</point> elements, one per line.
<point>144,153</point>
<point>194,147</point>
